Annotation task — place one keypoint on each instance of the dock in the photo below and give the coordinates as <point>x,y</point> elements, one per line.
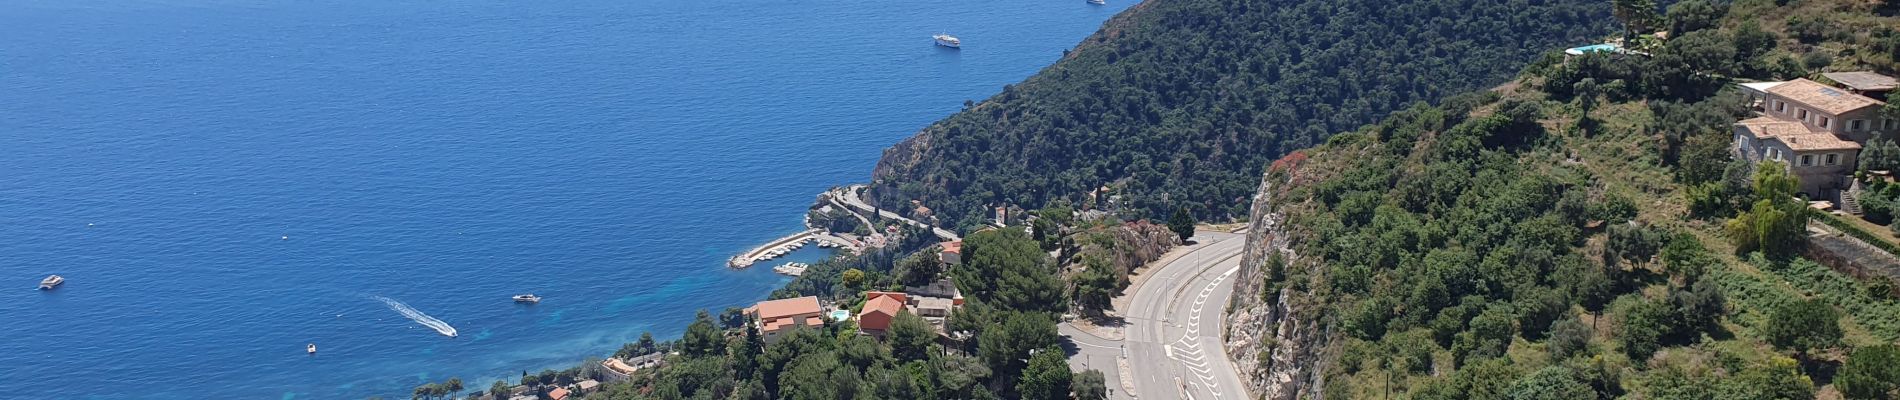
<point>785,245</point>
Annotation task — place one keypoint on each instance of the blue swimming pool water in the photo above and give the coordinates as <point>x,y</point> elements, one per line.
<point>606,155</point>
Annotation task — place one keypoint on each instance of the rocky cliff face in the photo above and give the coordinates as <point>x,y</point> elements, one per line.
<point>1274,334</point>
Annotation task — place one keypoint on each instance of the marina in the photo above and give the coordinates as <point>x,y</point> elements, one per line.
<point>786,245</point>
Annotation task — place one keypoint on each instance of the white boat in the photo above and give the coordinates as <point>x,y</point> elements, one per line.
<point>51,281</point>
<point>1098,2</point>
<point>527,298</point>
<point>947,41</point>
<point>311,348</point>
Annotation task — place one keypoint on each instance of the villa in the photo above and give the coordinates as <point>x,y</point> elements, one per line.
<point>1818,130</point>
<point>933,302</point>
<point>776,317</point>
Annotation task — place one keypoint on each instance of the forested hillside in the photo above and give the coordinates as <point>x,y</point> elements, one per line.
<point>1180,103</point>
<point>1580,233</point>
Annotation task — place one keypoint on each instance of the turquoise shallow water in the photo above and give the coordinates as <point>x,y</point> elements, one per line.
<point>607,155</point>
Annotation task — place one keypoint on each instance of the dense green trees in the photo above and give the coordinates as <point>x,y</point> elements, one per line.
<point>1803,326</point>
<point>1008,270</point>
<point>702,338</point>
<point>1551,383</point>
<point>910,337</point>
<point>1871,373</point>
<point>1182,224</point>
<point>1636,16</point>
<point>1005,347</point>
<point>1047,377</point>
<point>1776,222</point>
<point>1090,385</point>
<point>1183,103</point>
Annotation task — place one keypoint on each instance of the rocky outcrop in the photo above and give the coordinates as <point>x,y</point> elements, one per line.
<point>1135,244</point>
<point>1274,334</point>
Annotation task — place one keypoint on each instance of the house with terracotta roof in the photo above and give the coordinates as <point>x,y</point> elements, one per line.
<point>1816,129</point>
<point>776,317</point>
<point>952,252</point>
<point>558,394</point>
<point>880,308</point>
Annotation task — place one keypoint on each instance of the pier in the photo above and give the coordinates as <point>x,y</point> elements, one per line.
<point>786,245</point>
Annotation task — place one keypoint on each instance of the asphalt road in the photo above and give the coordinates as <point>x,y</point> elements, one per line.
<point>1172,346</point>
<point>850,197</point>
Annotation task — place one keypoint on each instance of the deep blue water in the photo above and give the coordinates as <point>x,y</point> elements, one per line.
<point>607,155</point>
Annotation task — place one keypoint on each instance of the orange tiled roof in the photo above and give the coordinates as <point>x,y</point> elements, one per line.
<point>1824,98</point>
<point>954,246</point>
<point>786,307</point>
<point>1817,141</point>
<point>884,303</point>
<point>1767,127</point>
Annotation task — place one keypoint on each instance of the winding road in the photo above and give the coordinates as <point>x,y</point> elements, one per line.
<point>851,194</point>
<point>1172,347</point>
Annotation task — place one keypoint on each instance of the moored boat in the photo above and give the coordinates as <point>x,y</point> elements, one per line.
<point>947,41</point>
<point>51,281</point>
<point>527,298</point>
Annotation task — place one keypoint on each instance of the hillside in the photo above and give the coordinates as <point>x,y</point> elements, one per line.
<point>1577,233</point>
<point>1180,103</point>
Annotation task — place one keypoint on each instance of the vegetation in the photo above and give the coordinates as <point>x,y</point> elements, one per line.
<point>1584,234</point>
<point>1181,223</point>
<point>1183,102</point>
<point>1007,347</point>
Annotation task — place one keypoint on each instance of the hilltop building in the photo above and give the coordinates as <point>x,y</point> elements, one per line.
<point>1816,129</point>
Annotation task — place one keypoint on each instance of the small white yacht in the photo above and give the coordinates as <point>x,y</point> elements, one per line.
<point>311,348</point>
<point>51,281</point>
<point>947,41</point>
<point>1098,2</point>
<point>527,298</point>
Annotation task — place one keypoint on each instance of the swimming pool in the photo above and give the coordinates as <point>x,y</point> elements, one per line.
<point>1577,51</point>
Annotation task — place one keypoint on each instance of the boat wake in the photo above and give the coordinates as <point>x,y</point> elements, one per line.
<point>420,318</point>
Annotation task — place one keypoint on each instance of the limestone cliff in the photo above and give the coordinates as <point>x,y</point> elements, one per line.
<point>1274,334</point>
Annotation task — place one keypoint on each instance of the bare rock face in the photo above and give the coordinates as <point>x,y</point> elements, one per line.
<point>899,161</point>
<point>1274,334</point>
<point>1139,243</point>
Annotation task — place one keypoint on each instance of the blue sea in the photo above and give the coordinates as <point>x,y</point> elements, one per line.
<point>222,182</point>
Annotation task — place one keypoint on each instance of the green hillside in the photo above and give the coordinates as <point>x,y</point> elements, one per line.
<point>1581,233</point>
<point>1182,102</point>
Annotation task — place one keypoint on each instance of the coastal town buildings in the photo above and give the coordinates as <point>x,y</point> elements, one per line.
<point>1815,129</point>
<point>776,317</point>
<point>934,302</point>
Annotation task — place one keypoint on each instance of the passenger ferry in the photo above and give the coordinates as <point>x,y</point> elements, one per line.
<point>947,41</point>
